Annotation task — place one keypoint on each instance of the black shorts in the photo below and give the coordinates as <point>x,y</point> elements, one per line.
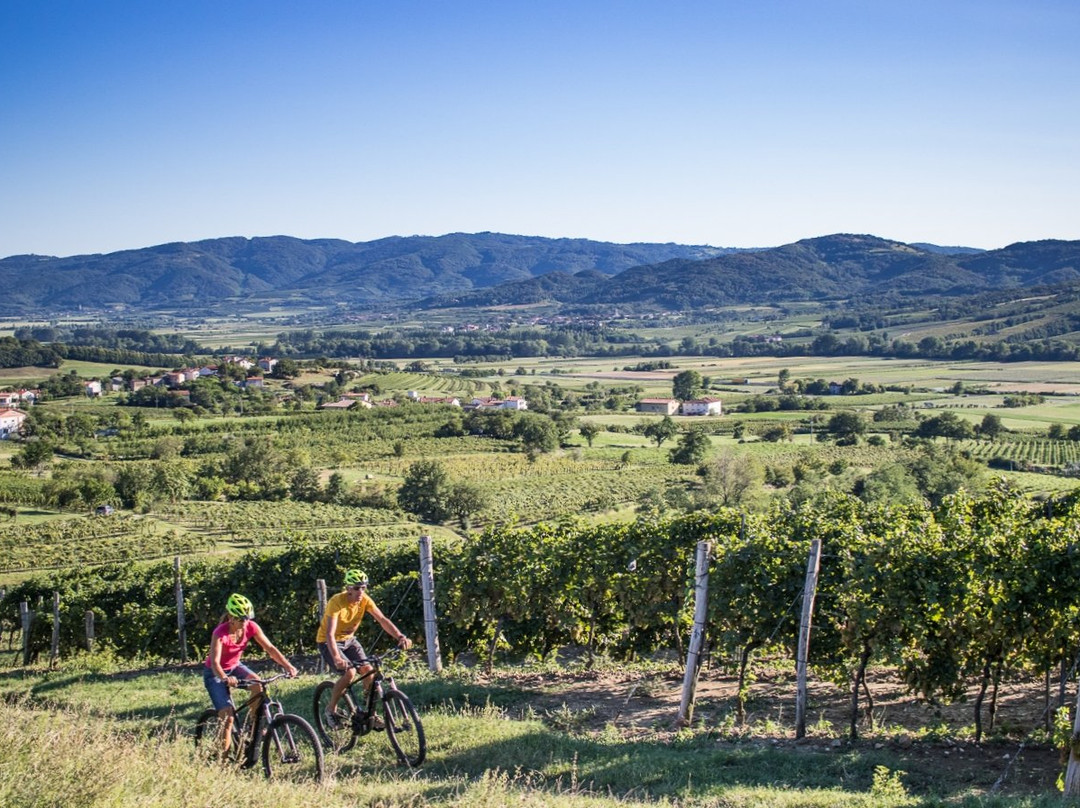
<point>350,649</point>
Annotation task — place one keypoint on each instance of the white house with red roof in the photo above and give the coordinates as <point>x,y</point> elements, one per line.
<point>703,406</point>
<point>11,422</point>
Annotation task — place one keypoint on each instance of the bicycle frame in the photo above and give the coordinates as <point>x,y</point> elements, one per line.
<point>267,711</point>
<point>364,717</point>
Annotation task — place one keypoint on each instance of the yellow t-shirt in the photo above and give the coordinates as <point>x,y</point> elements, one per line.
<point>348,614</point>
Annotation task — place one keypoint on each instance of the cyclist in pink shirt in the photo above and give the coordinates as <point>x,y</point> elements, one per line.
<point>223,668</point>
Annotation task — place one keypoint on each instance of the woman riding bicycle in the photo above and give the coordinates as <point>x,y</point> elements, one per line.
<point>336,639</point>
<point>223,668</point>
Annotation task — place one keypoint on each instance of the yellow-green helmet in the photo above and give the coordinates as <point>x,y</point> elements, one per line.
<point>355,577</point>
<point>239,606</point>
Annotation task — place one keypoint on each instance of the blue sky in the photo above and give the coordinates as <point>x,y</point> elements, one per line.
<point>736,124</point>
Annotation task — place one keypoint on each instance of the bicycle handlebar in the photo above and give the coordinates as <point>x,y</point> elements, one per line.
<point>257,681</point>
<point>376,660</point>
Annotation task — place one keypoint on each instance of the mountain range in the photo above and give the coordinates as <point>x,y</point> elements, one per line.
<point>486,269</point>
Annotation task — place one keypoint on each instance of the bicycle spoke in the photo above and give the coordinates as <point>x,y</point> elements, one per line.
<point>339,739</point>
<point>291,750</point>
<point>403,728</point>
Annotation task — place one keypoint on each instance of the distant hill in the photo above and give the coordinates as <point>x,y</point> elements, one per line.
<point>837,267</point>
<point>229,271</point>
<point>486,269</point>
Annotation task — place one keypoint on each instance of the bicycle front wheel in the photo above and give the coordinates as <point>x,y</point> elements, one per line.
<point>341,738</point>
<point>210,741</point>
<point>404,729</point>
<point>291,751</point>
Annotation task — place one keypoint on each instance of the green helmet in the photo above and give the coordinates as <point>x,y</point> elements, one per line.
<point>355,577</point>
<point>239,606</point>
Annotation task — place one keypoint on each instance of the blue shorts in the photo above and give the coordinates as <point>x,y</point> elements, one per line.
<point>218,690</point>
<point>350,649</point>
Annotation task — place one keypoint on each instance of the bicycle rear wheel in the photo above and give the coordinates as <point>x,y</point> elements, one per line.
<point>209,730</point>
<point>404,729</point>
<point>291,751</point>
<point>342,738</point>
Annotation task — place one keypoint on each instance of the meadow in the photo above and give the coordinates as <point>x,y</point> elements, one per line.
<point>555,736</point>
<point>534,733</point>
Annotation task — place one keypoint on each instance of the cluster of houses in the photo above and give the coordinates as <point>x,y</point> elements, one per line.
<point>673,406</point>
<point>176,378</point>
<point>350,400</point>
<point>11,418</point>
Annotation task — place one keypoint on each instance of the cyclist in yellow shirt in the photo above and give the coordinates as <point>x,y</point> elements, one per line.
<point>336,638</point>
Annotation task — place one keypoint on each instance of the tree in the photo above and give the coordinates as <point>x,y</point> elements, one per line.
<point>891,485</point>
<point>183,414</point>
<point>304,485</point>
<point>425,491</point>
<point>693,445</point>
<point>946,425</point>
<point>941,471</point>
<point>846,426</point>
<point>686,385</point>
<point>133,483</point>
<point>335,488</point>
<point>775,434</point>
<point>730,478</point>
<point>466,500</point>
<point>536,433</point>
<point>589,431</point>
<point>34,455</point>
<point>286,369</point>
<point>172,480</point>
<point>991,426</point>
<point>661,430</point>
<point>783,377</point>
<point>257,468</point>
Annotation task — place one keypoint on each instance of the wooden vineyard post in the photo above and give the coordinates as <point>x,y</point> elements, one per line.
<point>803,653</point>
<point>181,629</point>
<point>320,594</point>
<point>1072,771</point>
<point>431,627</point>
<point>54,647</point>
<point>26,620</point>
<point>88,621</point>
<point>697,635</point>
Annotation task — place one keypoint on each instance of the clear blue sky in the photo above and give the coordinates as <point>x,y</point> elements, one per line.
<point>732,123</point>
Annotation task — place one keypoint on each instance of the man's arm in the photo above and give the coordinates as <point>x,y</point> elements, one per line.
<point>389,627</point>
<point>331,641</point>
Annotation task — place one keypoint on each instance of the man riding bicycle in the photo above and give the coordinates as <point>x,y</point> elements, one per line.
<point>338,645</point>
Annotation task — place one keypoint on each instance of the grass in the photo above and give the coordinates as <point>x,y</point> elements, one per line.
<point>97,733</point>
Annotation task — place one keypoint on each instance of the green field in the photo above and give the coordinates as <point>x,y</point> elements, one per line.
<point>122,735</point>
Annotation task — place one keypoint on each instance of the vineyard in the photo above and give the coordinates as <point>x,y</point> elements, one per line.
<point>1026,451</point>
<point>86,541</point>
<point>975,593</point>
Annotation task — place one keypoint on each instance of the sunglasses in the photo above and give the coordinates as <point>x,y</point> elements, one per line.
<point>356,587</point>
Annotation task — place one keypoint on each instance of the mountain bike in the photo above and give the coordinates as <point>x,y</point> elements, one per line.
<point>290,748</point>
<point>400,721</point>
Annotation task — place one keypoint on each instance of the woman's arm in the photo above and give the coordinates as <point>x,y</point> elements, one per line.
<point>215,661</point>
<point>274,653</point>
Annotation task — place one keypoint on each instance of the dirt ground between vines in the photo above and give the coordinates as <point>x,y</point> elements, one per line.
<point>931,743</point>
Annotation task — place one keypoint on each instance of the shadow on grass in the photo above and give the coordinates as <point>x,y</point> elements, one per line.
<point>692,767</point>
